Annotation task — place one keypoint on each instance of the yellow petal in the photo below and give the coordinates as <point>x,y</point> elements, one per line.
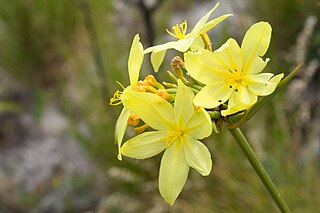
<point>258,64</point>
<point>239,101</point>
<point>121,127</point>
<point>199,25</point>
<point>157,58</point>
<point>135,60</point>
<point>197,155</point>
<point>261,85</point>
<point>211,24</point>
<point>197,44</point>
<point>173,172</point>
<point>183,105</point>
<point>213,95</point>
<point>200,124</point>
<point>152,109</point>
<point>255,43</point>
<point>230,55</point>
<point>204,67</point>
<point>181,45</point>
<point>145,145</point>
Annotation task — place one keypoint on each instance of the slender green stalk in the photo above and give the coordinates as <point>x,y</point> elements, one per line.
<point>254,161</point>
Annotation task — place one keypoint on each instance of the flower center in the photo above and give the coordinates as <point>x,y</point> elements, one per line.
<point>179,30</point>
<point>173,135</point>
<point>234,77</point>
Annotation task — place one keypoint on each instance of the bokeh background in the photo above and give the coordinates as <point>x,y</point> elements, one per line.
<point>59,63</point>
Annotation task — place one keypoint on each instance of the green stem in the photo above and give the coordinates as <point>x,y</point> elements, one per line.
<point>254,161</point>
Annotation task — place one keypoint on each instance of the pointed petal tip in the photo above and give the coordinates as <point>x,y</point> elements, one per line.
<point>119,157</point>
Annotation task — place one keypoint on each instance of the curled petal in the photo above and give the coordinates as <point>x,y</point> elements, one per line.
<point>157,58</point>
<point>135,60</point>
<point>145,145</point>
<point>197,155</point>
<point>173,172</point>
<point>121,126</point>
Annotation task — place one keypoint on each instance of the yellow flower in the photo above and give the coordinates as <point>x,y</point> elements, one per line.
<point>134,65</point>
<point>185,40</point>
<point>178,128</point>
<point>232,73</point>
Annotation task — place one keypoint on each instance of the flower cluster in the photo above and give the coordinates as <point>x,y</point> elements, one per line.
<point>208,87</point>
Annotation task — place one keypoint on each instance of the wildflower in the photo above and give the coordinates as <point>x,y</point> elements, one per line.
<point>177,129</point>
<point>185,40</point>
<point>232,73</point>
<point>134,65</point>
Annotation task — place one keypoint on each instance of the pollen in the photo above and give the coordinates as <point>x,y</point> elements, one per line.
<point>150,80</point>
<point>173,136</point>
<point>179,30</point>
<point>133,119</point>
<point>163,93</point>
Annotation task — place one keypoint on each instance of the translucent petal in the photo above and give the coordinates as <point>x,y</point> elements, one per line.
<point>157,58</point>
<point>181,45</point>
<point>204,67</point>
<point>200,124</point>
<point>121,126</point>
<point>255,43</point>
<point>152,109</point>
<point>197,44</point>
<point>211,24</point>
<point>173,172</point>
<point>145,145</point>
<point>201,23</point>
<point>135,60</point>
<point>197,155</point>
<point>213,95</point>
<point>183,106</point>
<point>262,86</point>
<point>230,55</point>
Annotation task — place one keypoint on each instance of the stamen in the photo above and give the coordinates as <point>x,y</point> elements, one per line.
<point>133,119</point>
<point>163,93</point>
<point>140,129</point>
<point>116,100</point>
<point>179,31</point>
<point>150,80</point>
<point>173,136</point>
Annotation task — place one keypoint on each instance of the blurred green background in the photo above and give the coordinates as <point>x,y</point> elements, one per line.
<point>59,63</point>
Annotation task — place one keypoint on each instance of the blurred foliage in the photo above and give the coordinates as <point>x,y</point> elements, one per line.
<point>71,52</point>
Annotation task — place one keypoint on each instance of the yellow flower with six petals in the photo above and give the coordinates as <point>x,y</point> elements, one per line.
<point>232,73</point>
<point>178,128</point>
<point>185,40</point>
